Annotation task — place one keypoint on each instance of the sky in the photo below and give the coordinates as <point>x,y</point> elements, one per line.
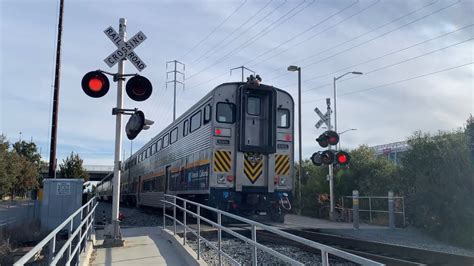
<point>416,56</point>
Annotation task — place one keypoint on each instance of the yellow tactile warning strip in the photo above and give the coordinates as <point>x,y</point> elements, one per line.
<point>253,166</point>
<point>222,161</point>
<point>282,164</point>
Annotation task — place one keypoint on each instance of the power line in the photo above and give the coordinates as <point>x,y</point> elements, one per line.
<point>303,32</point>
<point>254,38</point>
<point>220,43</point>
<point>387,54</point>
<point>359,36</point>
<point>314,35</point>
<point>399,62</point>
<point>396,82</point>
<point>214,30</point>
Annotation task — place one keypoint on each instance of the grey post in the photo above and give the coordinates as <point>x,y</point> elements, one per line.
<point>254,249</point>
<point>355,208</point>
<point>118,138</point>
<point>331,169</point>
<point>391,210</point>
<point>184,222</point>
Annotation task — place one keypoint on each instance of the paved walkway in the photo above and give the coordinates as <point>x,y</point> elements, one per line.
<point>143,246</point>
<point>292,220</point>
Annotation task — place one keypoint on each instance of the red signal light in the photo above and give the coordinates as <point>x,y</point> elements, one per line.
<point>95,84</point>
<point>342,158</point>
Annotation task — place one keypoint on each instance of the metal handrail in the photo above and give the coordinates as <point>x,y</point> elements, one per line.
<point>50,239</point>
<point>325,250</point>
<point>371,210</point>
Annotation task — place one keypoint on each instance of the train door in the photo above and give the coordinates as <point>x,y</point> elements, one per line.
<point>256,135</point>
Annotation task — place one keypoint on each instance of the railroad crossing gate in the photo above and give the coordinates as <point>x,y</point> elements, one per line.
<point>125,49</point>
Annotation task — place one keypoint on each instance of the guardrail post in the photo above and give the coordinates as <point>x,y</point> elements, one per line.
<point>355,209</point>
<point>52,249</point>
<point>174,215</point>
<point>199,231</point>
<point>219,236</point>
<point>370,209</point>
<point>164,212</point>
<point>324,258</point>
<point>184,222</point>
<point>254,249</point>
<point>391,211</point>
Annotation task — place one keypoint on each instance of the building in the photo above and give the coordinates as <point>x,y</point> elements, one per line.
<point>392,151</point>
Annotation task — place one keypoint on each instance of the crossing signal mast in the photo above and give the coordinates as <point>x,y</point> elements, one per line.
<point>96,84</point>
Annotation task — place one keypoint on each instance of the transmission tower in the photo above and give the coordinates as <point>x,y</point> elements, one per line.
<point>177,79</point>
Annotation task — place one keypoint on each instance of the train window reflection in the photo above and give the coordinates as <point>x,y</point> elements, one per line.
<point>174,135</point>
<point>225,113</point>
<point>196,121</point>
<point>253,105</point>
<point>283,118</point>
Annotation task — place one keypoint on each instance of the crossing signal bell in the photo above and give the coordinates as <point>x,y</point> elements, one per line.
<point>136,124</point>
<point>95,84</point>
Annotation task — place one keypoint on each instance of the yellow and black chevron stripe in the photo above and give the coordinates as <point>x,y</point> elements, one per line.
<point>253,171</point>
<point>222,161</point>
<point>282,164</point>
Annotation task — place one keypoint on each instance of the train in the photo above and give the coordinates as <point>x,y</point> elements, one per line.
<point>232,150</point>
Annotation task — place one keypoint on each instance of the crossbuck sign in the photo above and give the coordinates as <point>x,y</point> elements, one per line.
<point>324,118</point>
<point>125,49</point>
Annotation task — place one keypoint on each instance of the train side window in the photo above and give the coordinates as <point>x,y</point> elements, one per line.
<point>166,140</point>
<point>158,145</point>
<point>174,135</point>
<point>185,128</point>
<point>253,105</point>
<point>196,121</point>
<point>153,148</point>
<point>283,118</point>
<point>225,113</point>
<point>207,114</point>
<point>149,152</point>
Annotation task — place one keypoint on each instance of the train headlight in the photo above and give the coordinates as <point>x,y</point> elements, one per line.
<point>282,181</point>
<point>221,179</point>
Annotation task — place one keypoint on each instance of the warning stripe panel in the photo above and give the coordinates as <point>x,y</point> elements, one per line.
<point>253,171</point>
<point>222,161</point>
<point>282,164</point>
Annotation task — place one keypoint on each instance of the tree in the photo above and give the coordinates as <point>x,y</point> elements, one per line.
<point>438,180</point>
<point>72,167</point>
<point>6,179</point>
<point>28,150</point>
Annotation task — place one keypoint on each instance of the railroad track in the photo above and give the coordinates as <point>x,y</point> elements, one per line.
<point>389,254</point>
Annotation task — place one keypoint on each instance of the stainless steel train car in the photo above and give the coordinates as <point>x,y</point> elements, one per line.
<point>234,150</point>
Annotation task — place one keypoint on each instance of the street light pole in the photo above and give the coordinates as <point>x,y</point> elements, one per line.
<point>300,166</point>
<point>335,96</point>
<point>331,170</point>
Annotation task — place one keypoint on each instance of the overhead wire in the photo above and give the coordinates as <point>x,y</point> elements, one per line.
<point>292,38</point>
<point>398,63</point>
<point>214,30</point>
<point>381,56</point>
<point>355,38</point>
<point>273,25</point>
<point>222,42</point>
<point>396,82</point>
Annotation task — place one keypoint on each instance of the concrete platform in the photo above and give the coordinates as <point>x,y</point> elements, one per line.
<point>143,246</point>
<point>293,221</point>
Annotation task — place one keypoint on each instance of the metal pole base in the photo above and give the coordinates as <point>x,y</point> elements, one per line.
<point>109,232</point>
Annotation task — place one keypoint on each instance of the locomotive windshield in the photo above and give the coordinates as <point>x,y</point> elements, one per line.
<point>225,112</point>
